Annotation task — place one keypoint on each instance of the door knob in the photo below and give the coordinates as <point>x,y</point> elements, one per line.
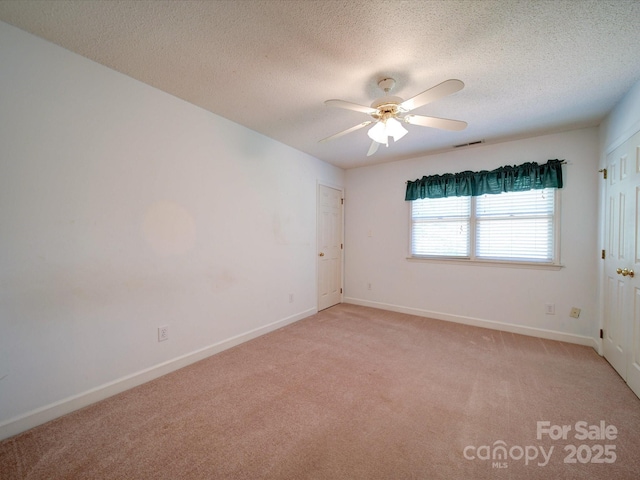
<point>624,272</point>
<point>321,254</point>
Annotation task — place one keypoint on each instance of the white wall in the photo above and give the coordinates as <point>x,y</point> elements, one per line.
<point>622,122</point>
<point>123,209</point>
<point>515,298</point>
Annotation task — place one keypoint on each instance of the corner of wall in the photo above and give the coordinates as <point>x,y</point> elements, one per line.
<point>47,413</point>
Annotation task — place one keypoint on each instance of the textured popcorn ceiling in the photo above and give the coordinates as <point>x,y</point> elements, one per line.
<point>529,67</point>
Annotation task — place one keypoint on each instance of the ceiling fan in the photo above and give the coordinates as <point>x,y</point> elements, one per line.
<point>388,111</point>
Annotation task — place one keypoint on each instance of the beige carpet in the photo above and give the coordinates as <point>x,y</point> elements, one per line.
<point>354,393</point>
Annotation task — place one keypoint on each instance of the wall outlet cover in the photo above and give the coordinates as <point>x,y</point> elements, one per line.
<point>163,333</point>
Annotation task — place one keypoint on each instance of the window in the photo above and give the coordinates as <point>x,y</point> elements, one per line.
<point>512,227</point>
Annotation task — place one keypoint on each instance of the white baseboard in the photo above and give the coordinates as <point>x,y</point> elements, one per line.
<point>478,322</point>
<point>49,412</point>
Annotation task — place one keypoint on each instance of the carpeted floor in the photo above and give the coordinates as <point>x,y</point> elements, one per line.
<point>355,393</point>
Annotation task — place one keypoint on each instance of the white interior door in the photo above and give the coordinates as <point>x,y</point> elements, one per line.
<point>621,284</point>
<point>329,247</point>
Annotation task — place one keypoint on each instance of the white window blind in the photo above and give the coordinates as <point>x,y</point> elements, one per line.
<point>514,226</point>
<point>441,226</point>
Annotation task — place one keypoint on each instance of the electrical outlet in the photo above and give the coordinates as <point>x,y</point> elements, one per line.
<point>550,309</point>
<point>163,333</point>
<point>575,312</point>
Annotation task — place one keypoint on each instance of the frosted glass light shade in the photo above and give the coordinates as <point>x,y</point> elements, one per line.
<point>395,129</point>
<point>381,131</point>
<point>378,133</point>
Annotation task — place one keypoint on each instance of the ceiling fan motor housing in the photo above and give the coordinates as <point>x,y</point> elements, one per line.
<point>386,107</point>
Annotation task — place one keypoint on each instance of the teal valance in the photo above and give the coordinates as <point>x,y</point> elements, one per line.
<point>528,176</point>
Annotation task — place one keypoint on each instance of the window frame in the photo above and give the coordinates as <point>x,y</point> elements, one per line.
<point>472,259</point>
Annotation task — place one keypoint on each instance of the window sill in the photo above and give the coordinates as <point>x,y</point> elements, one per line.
<point>487,263</point>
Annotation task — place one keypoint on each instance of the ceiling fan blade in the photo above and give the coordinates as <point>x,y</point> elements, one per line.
<point>350,106</point>
<point>348,130</point>
<point>435,122</point>
<point>373,148</point>
<point>434,93</point>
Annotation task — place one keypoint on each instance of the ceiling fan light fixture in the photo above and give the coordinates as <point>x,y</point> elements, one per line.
<point>389,112</point>
<point>384,129</point>
<point>378,133</point>
<point>395,129</point>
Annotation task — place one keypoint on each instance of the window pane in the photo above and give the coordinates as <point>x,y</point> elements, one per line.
<point>441,226</point>
<point>516,239</point>
<point>532,202</point>
<point>516,226</point>
<point>441,207</point>
<point>448,238</point>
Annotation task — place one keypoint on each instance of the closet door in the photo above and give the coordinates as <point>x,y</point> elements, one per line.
<point>329,247</point>
<point>621,283</point>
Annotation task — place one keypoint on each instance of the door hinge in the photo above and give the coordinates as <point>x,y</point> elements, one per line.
<point>341,247</point>
<point>601,333</point>
<point>342,199</point>
<point>340,290</point>
<point>604,254</point>
<point>604,173</point>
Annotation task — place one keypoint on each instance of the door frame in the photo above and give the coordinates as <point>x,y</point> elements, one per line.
<point>602,228</point>
<point>615,289</point>
<point>603,191</point>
